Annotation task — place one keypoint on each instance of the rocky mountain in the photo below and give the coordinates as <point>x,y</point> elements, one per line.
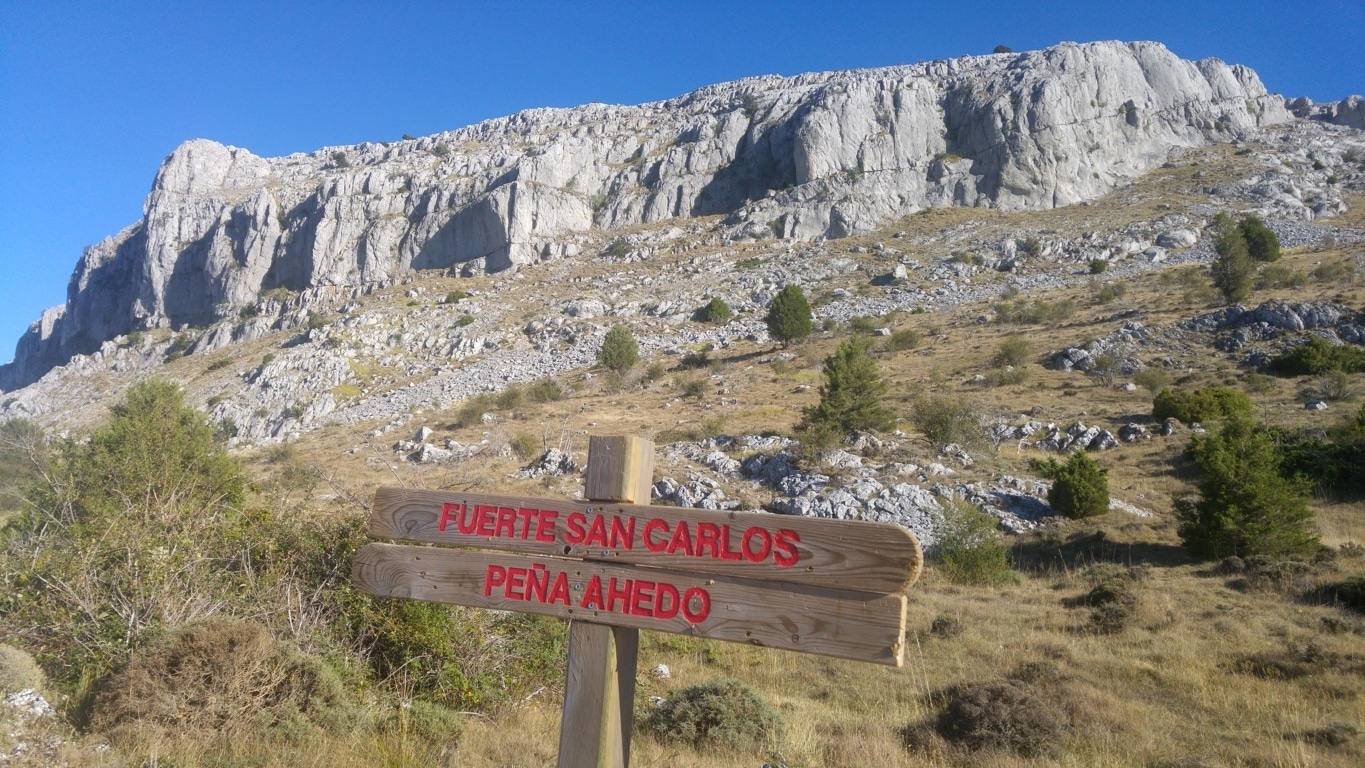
<point>238,244</point>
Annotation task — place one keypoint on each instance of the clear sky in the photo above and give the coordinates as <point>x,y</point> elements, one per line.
<point>93,95</point>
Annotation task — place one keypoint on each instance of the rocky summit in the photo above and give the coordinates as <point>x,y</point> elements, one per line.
<point>814,156</point>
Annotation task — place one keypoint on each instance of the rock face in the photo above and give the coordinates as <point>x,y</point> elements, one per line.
<point>816,155</point>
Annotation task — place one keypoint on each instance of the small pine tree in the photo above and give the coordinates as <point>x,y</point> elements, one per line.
<point>1233,271</point>
<point>716,311</point>
<point>851,397</point>
<point>1080,488</point>
<point>1246,507</point>
<point>619,350</point>
<point>1262,242</point>
<point>789,315</point>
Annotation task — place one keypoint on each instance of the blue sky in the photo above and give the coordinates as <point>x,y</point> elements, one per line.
<point>93,95</point>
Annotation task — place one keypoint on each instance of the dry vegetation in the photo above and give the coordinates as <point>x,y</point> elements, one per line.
<point>1112,647</point>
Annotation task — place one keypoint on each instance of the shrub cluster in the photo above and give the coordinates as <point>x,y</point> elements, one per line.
<point>1002,716</point>
<point>788,316</point>
<point>726,713</point>
<point>619,350</point>
<point>715,311</point>
<point>1080,488</point>
<point>1317,356</point>
<point>1200,405</point>
<point>968,548</point>
<point>852,396</point>
<point>945,420</point>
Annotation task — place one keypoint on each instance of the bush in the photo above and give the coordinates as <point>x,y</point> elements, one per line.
<point>472,410</point>
<point>1200,405</point>
<point>1262,242</point>
<point>1246,507</point>
<point>723,713</point>
<point>464,321</point>
<point>18,671</point>
<point>1114,598</point>
<point>1001,716</point>
<point>428,722</point>
<point>317,320</point>
<point>1152,379</point>
<point>1336,385</point>
<point>852,396</point>
<point>968,548</point>
<point>218,673</point>
<point>1318,356</point>
<point>715,311</point>
<point>1280,276</point>
<point>1351,592</point>
<point>1013,350</point>
<point>544,391</point>
<point>945,420</point>
<point>695,360</point>
<point>1109,292</point>
<point>619,351</point>
<point>1098,266</point>
<point>1039,312</point>
<point>788,316</point>
<point>1233,270</point>
<point>904,339</point>
<point>340,160</point>
<point>1080,488</point>
<point>694,388</point>
<point>526,446</point>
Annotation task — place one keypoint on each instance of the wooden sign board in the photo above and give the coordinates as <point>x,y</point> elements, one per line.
<point>613,566</point>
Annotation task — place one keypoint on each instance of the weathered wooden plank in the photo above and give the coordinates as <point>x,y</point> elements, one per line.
<point>840,554</point>
<point>619,469</point>
<point>599,690</point>
<point>845,624</point>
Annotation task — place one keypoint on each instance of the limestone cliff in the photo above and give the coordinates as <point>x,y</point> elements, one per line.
<point>810,156</point>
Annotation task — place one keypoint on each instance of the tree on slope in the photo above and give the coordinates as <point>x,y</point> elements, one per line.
<point>852,396</point>
<point>1233,270</point>
<point>619,351</point>
<point>789,315</point>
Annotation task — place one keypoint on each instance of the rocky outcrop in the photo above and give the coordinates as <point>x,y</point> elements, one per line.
<point>816,155</point>
<point>1349,112</point>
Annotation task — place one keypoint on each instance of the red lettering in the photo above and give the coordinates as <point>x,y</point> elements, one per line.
<point>597,532</point>
<point>593,594</point>
<point>622,532</point>
<point>784,544</point>
<point>702,598</point>
<point>446,516</point>
<point>641,597</point>
<point>765,544</point>
<point>725,552</point>
<point>573,533</point>
<point>537,583</point>
<point>486,515</point>
<point>707,535</point>
<point>495,576</point>
<point>670,610</point>
<point>545,526</point>
<point>682,539</point>
<point>527,515</point>
<point>516,583</point>
<point>614,594</point>
<point>655,524</point>
<point>559,591</point>
<point>469,519</point>
<point>507,521</point>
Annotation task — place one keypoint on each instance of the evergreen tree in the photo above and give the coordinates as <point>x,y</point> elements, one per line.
<point>1262,242</point>
<point>619,351</point>
<point>1246,506</point>
<point>851,397</point>
<point>1080,488</point>
<point>715,311</point>
<point>789,315</point>
<point>1233,270</point>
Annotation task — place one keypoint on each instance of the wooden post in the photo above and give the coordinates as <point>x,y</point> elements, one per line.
<point>599,685</point>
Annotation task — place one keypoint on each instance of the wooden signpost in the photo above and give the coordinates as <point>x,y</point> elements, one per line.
<point>614,566</point>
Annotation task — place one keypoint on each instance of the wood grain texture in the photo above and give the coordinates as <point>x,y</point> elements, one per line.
<point>599,693</point>
<point>839,554</point>
<point>844,624</point>
<point>620,468</point>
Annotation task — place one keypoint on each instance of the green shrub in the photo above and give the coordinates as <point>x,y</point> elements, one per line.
<point>1110,292</point>
<point>1080,488</point>
<point>654,372</point>
<point>510,399</point>
<point>1351,592</point>
<point>464,321</point>
<point>431,723</point>
<point>618,247</point>
<point>906,338</point>
<point>1013,350</point>
<point>1233,270</point>
<point>1318,356</point>
<point>526,446</point>
<point>1152,379</point>
<point>863,324</point>
<point>218,365</point>
<point>695,360</point>
<point>544,391</point>
<point>1200,405</point>
<point>1098,266</point>
<point>968,548</point>
<point>1245,507</point>
<point>1280,276</point>
<point>455,297</point>
<point>788,316</point>
<point>1038,312</point>
<point>694,387</point>
<point>340,160</point>
<point>1262,242</point>
<point>945,420</point>
<point>724,713</point>
<point>1001,716</point>
<point>619,350</point>
<point>317,320</point>
<point>1114,598</point>
<point>715,311</point>
<point>853,393</point>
